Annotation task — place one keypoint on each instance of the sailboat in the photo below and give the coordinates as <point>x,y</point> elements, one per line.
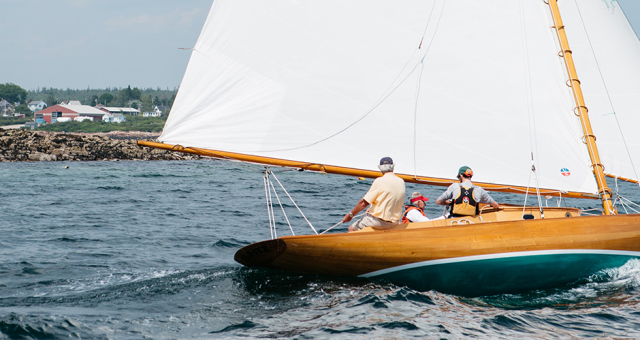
<point>333,86</point>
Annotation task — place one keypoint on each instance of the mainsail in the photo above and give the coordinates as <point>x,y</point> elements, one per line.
<point>607,54</point>
<point>435,84</point>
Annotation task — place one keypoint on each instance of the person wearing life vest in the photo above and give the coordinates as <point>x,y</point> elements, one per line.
<point>464,197</point>
<point>414,211</point>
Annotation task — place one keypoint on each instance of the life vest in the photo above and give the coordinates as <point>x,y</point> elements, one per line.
<point>408,208</point>
<point>465,204</point>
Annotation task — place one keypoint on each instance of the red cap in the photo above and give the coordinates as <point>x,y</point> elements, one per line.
<point>420,198</point>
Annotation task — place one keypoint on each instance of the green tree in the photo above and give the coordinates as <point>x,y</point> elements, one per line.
<point>23,108</point>
<point>136,93</point>
<point>12,93</point>
<point>105,99</point>
<point>51,100</point>
<point>147,103</point>
<point>93,100</point>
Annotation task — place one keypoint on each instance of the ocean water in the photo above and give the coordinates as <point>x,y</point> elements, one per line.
<point>144,250</point>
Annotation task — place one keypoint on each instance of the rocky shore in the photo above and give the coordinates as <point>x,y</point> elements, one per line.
<point>25,145</point>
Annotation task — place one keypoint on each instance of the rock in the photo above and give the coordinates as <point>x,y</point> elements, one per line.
<point>26,145</point>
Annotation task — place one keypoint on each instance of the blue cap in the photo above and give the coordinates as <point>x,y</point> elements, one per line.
<point>386,160</point>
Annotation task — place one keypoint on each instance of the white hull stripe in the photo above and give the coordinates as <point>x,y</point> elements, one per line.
<point>500,256</point>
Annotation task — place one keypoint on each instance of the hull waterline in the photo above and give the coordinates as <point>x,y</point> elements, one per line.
<point>469,260</point>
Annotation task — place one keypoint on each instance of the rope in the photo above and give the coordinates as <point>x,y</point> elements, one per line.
<point>459,222</point>
<point>339,223</point>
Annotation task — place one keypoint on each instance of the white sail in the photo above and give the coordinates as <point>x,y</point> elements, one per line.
<point>607,56</point>
<point>433,84</point>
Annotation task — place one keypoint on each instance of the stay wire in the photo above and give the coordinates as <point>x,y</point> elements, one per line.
<point>266,196</point>
<point>294,203</point>
<point>282,207</point>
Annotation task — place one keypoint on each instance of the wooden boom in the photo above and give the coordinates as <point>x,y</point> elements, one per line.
<point>354,172</point>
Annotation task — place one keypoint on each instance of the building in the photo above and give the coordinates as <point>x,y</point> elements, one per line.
<point>114,118</point>
<point>156,112</point>
<point>71,110</point>
<point>127,110</point>
<point>84,110</point>
<point>36,105</point>
<point>6,108</point>
<point>51,114</point>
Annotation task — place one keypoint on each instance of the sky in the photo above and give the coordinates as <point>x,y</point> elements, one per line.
<point>112,43</point>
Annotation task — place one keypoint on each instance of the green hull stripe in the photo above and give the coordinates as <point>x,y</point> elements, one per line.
<point>505,272</point>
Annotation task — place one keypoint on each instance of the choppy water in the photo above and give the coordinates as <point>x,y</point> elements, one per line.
<point>133,250</point>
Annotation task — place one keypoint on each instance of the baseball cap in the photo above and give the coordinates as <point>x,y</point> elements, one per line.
<point>416,196</point>
<point>386,160</point>
<point>465,170</point>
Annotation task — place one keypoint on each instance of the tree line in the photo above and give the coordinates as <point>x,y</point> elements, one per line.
<point>143,99</point>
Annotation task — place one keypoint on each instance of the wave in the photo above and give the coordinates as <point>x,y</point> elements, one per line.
<point>231,243</point>
<point>110,187</point>
<point>15,326</point>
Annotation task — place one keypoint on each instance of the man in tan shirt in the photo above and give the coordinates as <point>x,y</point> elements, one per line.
<point>386,197</point>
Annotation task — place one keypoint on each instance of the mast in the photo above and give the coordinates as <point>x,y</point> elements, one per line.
<point>581,110</point>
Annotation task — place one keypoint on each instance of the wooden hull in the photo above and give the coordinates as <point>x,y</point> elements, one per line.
<point>475,259</point>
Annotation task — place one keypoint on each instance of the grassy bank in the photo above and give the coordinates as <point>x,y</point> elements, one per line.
<point>14,121</point>
<point>133,123</point>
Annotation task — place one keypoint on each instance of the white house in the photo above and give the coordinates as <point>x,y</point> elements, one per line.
<point>129,110</point>
<point>36,105</point>
<point>155,113</point>
<point>83,118</point>
<point>113,118</point>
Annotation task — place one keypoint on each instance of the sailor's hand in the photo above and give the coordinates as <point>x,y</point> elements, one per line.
<point>347,217</point>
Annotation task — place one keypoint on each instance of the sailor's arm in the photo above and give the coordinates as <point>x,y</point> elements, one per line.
<point>447,196</point>
<point>485,198</point>
<point>444,199</point>
<point>358,208</point>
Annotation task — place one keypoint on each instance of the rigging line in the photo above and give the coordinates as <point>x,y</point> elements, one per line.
<point>533,137</point>
<point>294,203</point>
<point>266,196</point>
<point>415,120</point>
<point>387,93</point>
<point>282,207</point>
<point>526,195</point>
<point>606,89</point>
<point>273,216</point>
<point>420,67</point>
